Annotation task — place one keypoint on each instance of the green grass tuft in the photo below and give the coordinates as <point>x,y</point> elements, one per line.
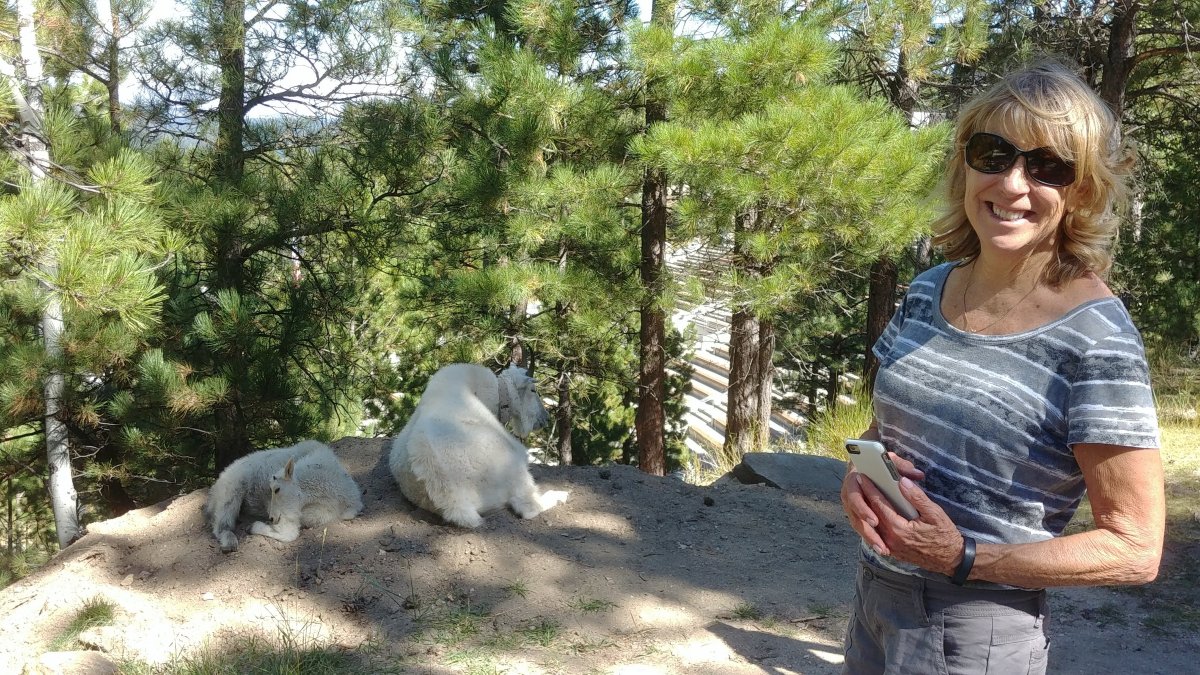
<point>828,429</point>
<point>592,605</point>
<point>542,632</point>
<point>747,612</point>
<point>517,588</point>
<point>95,612</point>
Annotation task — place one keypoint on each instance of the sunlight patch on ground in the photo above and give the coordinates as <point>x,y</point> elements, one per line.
<point>291,622</point>
<point>655,613</point>
<point>701,650</point>
<point>637,669</point>
<point>611,524</point>
<point>835,658</point>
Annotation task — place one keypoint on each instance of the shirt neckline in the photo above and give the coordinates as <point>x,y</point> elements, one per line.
<point>944,270</point>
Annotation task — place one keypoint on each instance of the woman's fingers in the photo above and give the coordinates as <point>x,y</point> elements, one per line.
<point>905,467</point>
<point>863,518</point>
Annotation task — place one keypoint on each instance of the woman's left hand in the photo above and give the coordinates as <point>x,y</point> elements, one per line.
<point>931,541</point>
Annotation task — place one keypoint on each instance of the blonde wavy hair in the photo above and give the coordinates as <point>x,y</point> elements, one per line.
<point>1047,102</point>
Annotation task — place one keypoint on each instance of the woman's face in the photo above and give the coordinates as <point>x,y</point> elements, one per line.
<point>1010,212</point>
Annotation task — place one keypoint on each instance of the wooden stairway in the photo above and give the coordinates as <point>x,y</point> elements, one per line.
<point>708,320</point>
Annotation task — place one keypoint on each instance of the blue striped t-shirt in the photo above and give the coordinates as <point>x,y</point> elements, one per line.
<point>991,419</point>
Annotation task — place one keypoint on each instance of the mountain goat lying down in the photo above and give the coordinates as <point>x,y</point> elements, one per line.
<point>456,459</point>
<point>301,485</point>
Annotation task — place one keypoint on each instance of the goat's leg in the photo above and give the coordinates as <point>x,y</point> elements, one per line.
<point>528,501</point>
<point>284,532</point>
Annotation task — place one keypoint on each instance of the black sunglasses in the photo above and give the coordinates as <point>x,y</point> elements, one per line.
<point>989,153</point>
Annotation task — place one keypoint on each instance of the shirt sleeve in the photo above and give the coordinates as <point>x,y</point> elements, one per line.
<point>1111,400</point>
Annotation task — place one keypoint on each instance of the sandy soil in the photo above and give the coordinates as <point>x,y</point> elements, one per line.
<point>634,574</point>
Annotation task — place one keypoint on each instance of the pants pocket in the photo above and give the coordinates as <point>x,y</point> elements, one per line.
<point>1010,644</point>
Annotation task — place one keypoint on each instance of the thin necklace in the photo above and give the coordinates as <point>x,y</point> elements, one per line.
<point>967,286</point>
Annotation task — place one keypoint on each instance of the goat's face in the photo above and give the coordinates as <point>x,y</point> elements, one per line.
<point>525,411</point>
<point>285,494</point>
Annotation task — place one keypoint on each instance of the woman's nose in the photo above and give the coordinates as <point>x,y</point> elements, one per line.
<point>1015,178</point>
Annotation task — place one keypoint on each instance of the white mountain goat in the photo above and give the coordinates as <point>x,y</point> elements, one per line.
<point>309,492</point>
<point>244,488</point>
<point>456,459</point>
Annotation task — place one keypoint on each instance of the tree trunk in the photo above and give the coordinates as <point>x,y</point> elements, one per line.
<point>563,418</point>
<point>117,501</point>
<point>61,484</point>
<point>765,380</point>
<point>233,435</point>
<point>902,88</point>
<point>741,408</point>
<point>1118,61</point>
<point>881,302</point>
<point>10,515</point>
<point>112,83</point>
<point>230,157</point>
<point>650,420</point>
<point>832,384</point>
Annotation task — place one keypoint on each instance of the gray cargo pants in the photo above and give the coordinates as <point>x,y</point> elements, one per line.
<point>908,625</point>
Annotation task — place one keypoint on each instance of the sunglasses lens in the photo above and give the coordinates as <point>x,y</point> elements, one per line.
<point>1046,167</point>
<point>988,153</point>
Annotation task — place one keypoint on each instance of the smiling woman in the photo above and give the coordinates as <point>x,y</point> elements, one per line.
<point>1011,382</point>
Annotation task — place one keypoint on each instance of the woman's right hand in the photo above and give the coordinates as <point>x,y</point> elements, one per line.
<point>862,517</point>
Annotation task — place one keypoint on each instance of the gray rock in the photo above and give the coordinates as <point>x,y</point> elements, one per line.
<point>803,474</point>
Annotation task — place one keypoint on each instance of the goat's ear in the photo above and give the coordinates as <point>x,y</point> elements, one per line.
<point>287,470</point>
<point>518,376</point>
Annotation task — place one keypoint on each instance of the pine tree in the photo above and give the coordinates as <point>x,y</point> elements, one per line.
<point>95,38</point>
<point>82,239</point>
<point>801,175</point>
<point>281,237</point>
<point>898,50</point>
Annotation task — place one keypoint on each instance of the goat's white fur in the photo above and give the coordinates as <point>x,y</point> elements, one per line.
<point>456,459</point>
<point>244,489</point>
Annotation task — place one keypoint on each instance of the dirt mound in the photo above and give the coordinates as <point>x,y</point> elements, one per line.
<point>634,574</point>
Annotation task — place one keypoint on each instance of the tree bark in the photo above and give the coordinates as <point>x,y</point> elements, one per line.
<point>765,380</point>
<point>881,302</point>
<point>1118,62</point>
<point>742,395</point>
<point>741,407</point>
<point>650,420</point>
<point>564,421</point>
<point>884,275</point>
<point>230,157</point>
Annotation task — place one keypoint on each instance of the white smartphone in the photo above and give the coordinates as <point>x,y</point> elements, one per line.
<point>870,459</point>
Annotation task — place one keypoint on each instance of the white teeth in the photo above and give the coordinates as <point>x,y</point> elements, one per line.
<point>1007,215</point>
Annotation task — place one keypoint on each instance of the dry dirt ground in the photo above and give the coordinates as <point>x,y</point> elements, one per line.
<point>634,574</point>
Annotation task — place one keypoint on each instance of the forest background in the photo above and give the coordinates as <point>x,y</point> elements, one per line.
<point>252,222</point>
